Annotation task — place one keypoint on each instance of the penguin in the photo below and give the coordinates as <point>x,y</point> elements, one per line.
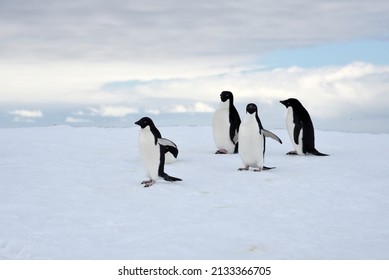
<point>152,150</point>
<point>300,128</point>
<point>225,125</point>
<point>252,143</point>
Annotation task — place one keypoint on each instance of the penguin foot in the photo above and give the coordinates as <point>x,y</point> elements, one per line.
<point>292,153</point>
<point>148,183</point>
<point>264,168</point>
<point>243,168</point>
<point>221,152</point>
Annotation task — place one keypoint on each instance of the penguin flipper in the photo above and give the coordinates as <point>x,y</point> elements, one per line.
<point>234,133</point>
<point>296,132</point>
<point>234,124</point>
<point>166,142</point>
<point>269,134</point>
<point>235,139</point>
<point>169,146</point>
<point>161,169</point>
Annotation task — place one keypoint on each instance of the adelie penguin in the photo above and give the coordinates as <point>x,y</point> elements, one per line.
<point>152,150</point>
<point>225,125</point>
<point>252,140</point>
<point>300,129</point>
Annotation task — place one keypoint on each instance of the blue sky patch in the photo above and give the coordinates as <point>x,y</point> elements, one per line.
<point>375,52</point>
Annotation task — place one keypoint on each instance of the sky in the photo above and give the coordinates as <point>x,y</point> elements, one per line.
<point>106,63</point>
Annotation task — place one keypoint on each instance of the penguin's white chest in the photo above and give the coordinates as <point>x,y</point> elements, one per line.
<point>221,129</point>
<point>149,153</point>
<point>290,127</point>
<point>251,142</point>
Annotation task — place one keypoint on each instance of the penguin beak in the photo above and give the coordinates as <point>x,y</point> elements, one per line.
<point>283,102</point>
<point>138,123</point>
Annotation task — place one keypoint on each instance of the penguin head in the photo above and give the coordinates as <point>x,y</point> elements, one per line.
<point>291,102</point>
<point>251,108</point>
<point>144,122</point>
<point>226,95</point>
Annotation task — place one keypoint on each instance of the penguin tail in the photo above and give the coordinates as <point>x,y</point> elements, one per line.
<point>169,178</point>
<point>317,153</point>
<point>267,168</point>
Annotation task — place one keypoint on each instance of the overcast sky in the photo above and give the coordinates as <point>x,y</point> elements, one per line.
<point>113,59</point>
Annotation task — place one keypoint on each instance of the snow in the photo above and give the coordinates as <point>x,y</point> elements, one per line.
<point>75,193</point>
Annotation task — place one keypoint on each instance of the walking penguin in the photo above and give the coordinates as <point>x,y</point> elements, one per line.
<point>152,150</point>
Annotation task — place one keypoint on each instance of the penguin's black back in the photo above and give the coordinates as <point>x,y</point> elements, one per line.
<point>303,121</point>
<point>233,116</point>
<point>234,121</point>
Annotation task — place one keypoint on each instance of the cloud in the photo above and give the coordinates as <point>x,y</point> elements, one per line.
<point>197,107</point>
<point>27,113</point>
<point>122,57</point>
<point>113,111</point>
<point>69,51</point>
<point>72,120</point>
<point>151,31</point>
<point>200,107</point>
<point>153,111</point>
<point>330,91</point>
<point>27,116</point>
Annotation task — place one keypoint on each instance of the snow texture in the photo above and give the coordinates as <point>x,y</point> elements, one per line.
<point>75,193</point>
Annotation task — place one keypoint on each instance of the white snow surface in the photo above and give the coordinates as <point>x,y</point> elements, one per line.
<point>75,193</point>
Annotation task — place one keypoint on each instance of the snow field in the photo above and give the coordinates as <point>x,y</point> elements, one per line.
<point>75,193</point>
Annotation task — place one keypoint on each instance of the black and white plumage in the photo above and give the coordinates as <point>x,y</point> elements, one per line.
<point>171,150</point>
<point>152,150</point>
<point>252,140</point>
<point>300,128</point>
<point>225,125</point>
